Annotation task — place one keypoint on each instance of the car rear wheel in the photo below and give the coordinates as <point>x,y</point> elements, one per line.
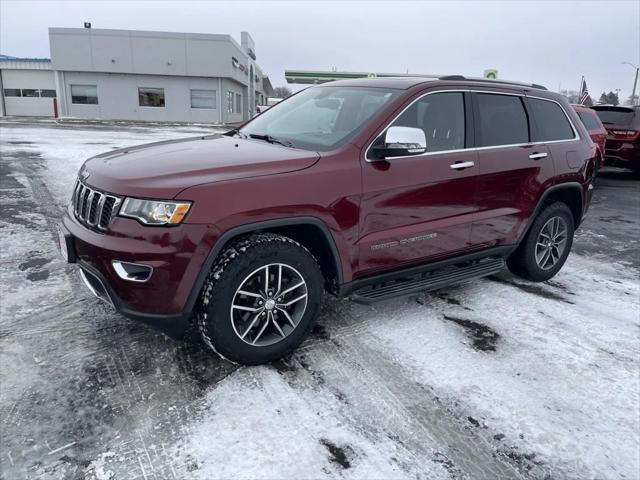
<point>547,244</point>
<point>260,299</point>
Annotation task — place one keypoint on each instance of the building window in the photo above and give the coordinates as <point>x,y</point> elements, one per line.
<point>230,102</point>
<point>238,103</point>
<point>151,97</point>
<point>203,99</point>
<point>24,92</point>
<point>84,94</point>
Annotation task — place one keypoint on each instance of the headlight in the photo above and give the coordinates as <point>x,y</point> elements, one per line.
<point>154,212</point>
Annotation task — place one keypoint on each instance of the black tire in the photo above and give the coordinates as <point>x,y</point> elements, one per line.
<point>214,314</point>
<point>523,261</point>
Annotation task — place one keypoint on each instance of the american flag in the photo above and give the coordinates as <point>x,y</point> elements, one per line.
<point>584,92</point>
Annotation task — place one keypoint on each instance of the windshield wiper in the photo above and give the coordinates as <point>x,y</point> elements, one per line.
<point>270,139</point>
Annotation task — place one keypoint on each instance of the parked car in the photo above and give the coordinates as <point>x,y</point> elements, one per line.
<point>596,130</point>
<point>623,139</point>
<point>367,188</point>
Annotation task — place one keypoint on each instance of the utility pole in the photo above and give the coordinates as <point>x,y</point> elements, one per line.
<point>635,82</point>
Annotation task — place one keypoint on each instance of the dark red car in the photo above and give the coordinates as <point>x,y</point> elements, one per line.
<point>623,139</point>
<point>367,188</point>
<point>596,130</point>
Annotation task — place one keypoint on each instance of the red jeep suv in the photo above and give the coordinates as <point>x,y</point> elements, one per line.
<point>623,139</point>
<point>367,189</point>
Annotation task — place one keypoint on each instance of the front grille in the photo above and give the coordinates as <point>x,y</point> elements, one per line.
<point>92,207</point>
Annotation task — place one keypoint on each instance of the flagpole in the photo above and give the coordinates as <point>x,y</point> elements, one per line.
<point>580,90</point>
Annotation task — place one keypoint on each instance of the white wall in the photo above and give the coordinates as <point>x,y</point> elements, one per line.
<point>156,53</point>
<point>118,97</point>
<point>230,86</point>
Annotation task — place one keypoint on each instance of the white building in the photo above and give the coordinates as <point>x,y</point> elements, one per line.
<point>27,87</point>
<point>150,76</point>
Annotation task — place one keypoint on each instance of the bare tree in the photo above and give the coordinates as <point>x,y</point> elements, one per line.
<point>571,95</point>
<point>281,92</point>
<point>632,101</point>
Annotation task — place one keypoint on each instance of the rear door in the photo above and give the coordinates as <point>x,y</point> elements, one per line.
<point>420,207</point>
<point>513,171</point>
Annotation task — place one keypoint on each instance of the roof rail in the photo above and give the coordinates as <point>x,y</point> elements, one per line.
<point>487,80</point>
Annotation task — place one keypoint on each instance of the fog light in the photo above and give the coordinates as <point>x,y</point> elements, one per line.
<point>133,272</point>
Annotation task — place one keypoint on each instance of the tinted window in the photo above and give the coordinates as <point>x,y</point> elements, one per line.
<point>151,97</point>
<point>551,121</point>
<point>203,99</point>
<point>12,92</point>
<point>441,116</point>
<point>84,94</point>
<point>615,116</point>
<point>29,92</point>
<point>47,93</point>
<point>589,120</point>
<point>503,120</point>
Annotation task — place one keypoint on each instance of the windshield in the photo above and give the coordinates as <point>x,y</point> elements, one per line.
<point>320,118</point>
<point>615,116</point>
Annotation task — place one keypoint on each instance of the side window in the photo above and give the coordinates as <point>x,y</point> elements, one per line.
<point>551,121</point>
<point>150,97</point>
<point>84,94</point>
<point>441,116</point>
<point>503,120</point>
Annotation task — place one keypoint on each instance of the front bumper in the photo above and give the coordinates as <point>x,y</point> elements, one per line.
<point>177,254</point>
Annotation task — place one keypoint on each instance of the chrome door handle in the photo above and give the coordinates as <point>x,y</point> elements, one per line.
<point>461,165</point>
<point>538,156</point>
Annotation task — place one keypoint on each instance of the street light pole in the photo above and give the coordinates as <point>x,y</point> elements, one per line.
<point>635,82</point>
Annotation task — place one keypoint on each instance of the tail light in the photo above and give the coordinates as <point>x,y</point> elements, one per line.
<point>625,134</point>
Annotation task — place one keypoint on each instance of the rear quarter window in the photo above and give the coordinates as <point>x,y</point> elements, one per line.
<point>551,122</point>
<point>589,120</point>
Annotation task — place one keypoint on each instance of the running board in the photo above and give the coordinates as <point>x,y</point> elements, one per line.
<point>426,281</point>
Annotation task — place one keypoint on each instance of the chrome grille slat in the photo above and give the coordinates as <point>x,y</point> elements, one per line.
<point>94,208</point>
<point>83,206</point>
<point>99,208</point>
<point>79,193</point>
<point>86,208</point>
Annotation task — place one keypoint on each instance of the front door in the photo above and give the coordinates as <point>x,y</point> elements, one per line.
<point>420,208</point>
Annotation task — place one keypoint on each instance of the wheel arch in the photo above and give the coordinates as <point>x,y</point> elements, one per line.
<point>570,193</point>
<point>310,232</point>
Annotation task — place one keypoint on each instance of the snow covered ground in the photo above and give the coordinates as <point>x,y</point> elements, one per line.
<point>499,378</point>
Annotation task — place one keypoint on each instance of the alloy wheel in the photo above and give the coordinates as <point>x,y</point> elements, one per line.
<point>551,242</point>
<point>269,304</point>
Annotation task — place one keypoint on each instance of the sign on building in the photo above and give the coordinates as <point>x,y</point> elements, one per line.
<point>491,74</point>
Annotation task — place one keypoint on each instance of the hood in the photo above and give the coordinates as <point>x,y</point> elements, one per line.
<point>164,169</point>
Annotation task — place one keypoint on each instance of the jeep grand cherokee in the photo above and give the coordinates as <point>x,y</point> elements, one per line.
<point>365,189</point>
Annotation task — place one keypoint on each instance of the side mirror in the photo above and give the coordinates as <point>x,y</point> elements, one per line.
<point>401,142</point>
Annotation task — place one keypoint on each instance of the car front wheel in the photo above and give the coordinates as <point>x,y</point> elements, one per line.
<point>260,299</point>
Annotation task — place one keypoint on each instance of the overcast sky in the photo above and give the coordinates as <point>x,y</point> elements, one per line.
<point>552,43</point>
